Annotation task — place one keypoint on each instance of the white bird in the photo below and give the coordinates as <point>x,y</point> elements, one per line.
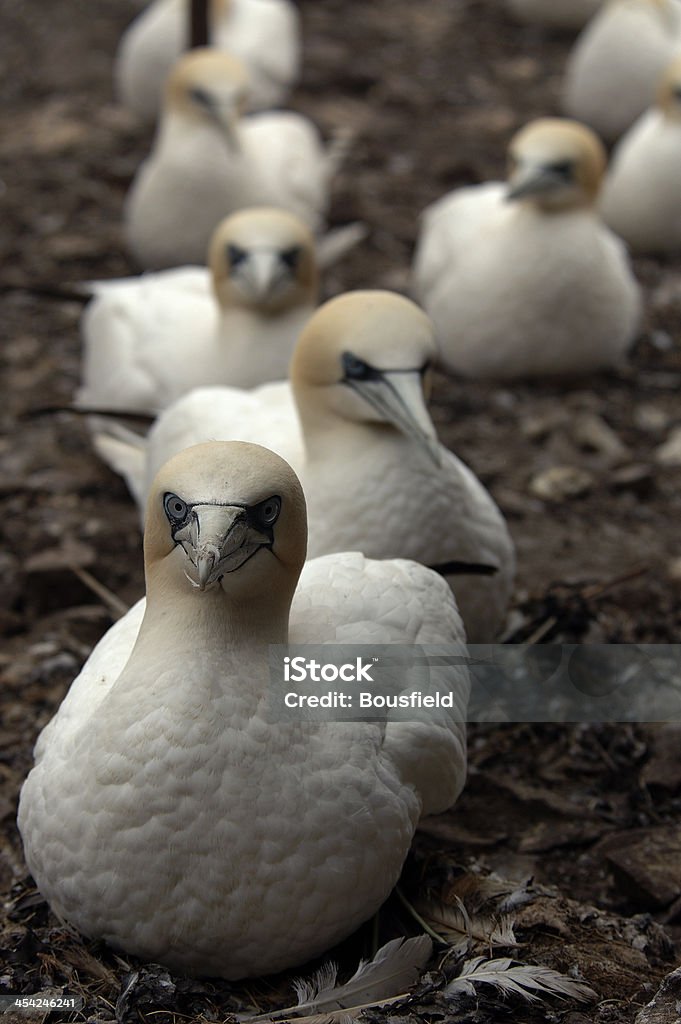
<point>355,427</point>
<point>172,810</point>
<point>263,34</point>
<point>149,339</point>
<point>523,278</point>
<point>208,161</point>
<point>613,69</point>
<point>641,196</point>
<point>561,14</point>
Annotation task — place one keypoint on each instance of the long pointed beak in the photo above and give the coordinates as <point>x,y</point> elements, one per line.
<point>532,180</point>
<point>218,539</point>
<point>261,272</point>
<point>398,396</point>
<point>226,116</point>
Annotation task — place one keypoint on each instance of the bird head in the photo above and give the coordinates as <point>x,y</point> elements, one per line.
<point>263,258</point>
<point>210,87</point>
<point>364,356</point>
<point>229,516</point>
<point>555,164</point>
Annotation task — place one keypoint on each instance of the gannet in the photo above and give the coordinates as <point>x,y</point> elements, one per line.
<point>522,278</point>
<point>172,811</point>
<point>207,161</point>
<point>612,72</point>
<point>263,34</point>
<point>149,339</point>
<point>641,196</point>
<point>567,14</point>
<point>355,426</point>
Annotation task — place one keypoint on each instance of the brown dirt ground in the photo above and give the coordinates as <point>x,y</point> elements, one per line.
<point>591,814</point>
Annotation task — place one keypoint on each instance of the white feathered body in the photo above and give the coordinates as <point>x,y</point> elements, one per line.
<point>366,490</point>
<point>567,14</point>
<point>193,178</point>
<point>517,292</point>
<point>168,814</point>
<point>641,196</point>
<point>149,340</point>
<point>614,67</point>
<point>263,34</point>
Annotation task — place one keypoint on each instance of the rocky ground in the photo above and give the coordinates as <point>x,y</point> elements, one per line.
<point>587,816</point>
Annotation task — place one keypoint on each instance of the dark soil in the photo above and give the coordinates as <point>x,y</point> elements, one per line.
<point>590,813</point>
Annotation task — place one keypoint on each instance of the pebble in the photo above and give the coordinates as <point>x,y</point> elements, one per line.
<point>650,418</point>
<point>559,483</point>
<point>669,453</point>
<point>592,432</point>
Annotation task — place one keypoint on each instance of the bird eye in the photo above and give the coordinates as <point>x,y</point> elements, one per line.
<point>290,257</point>
<point>236,255</point>
<point>200,96</point>
<point>175,508</point>
<point>267,512</point>
<point>355,368</point>
<point>563,168</point>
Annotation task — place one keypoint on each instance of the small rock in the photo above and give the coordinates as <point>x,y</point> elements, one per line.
<point>504,400</point>
<point>663,769</point>
<point>592,432</point>
<point>561,482</point>
<point>669,453</point>
<point>674,570</point>
<point>635,477</point>
<point>665,1007</point>
<point>539,426</point>
<point>661,340</point>
<point>646,864</point>
<point>650,418</point>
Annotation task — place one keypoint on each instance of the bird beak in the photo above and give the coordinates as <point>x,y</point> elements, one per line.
<point>218,539</point>
<point>532,180</point>
<point>261,272</point>
<point>225,115</point>
<point>398,396</point>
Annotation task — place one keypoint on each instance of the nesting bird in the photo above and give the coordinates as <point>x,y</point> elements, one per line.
<point>149,339</point>
<point>641,197</point>
<point>263,34</point>
<point>615,65</point>
<point>171,811</point>
<point>355,426</point>
<point>562,14</point>
<point>522,278</point>
<point>208,161</point>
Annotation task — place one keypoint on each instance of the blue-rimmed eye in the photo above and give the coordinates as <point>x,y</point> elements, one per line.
<point>267,512</point>
<point>175,508</point>
<point>236,255</point>
<point>355,368</point>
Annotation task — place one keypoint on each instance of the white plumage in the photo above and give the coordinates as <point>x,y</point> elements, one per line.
<point>567,14</point>
<point>641,197</point>
<point>523,279</point>
<point>208,161</point>
<point>263,34</point>
<point>169,811</point>
<point>147,340</point>
<point>376,479</point>
<point>614,67</point>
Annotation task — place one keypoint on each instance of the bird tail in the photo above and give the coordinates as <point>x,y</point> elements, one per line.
<point>123,451</point>
<point>332,246</point>
<point>338,148</point>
